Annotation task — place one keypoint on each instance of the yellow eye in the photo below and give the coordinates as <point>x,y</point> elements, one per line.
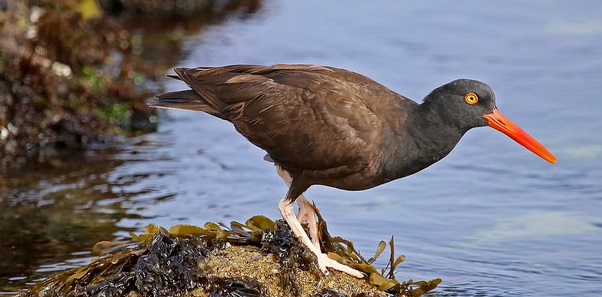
<point>471,98</point>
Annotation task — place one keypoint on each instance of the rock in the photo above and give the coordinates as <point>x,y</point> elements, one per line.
<point>259,258</point>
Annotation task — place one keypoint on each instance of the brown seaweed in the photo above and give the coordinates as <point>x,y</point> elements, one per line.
<point>161,262</point>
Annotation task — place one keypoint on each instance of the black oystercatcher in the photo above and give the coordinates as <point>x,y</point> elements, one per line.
<point>329,126</point>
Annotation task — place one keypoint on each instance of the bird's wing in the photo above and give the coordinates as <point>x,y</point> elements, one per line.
<point>305,116</point>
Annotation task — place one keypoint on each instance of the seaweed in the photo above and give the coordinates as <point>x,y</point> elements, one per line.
<point>159,262</point>
<point>67,81</point>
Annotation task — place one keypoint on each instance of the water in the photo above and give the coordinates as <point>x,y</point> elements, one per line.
<point>491,219</point>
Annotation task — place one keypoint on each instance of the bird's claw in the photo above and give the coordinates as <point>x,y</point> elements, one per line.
<point>324,262</point>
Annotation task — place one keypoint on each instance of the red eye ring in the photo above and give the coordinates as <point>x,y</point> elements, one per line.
<point>471,98</point>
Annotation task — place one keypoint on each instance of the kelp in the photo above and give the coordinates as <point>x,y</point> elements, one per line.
<point>174,262</point>
<point>385,278</point>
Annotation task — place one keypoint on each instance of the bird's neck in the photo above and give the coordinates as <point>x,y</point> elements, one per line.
<point>424,139</point>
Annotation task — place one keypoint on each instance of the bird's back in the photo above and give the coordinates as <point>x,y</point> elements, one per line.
<point>322,124</point>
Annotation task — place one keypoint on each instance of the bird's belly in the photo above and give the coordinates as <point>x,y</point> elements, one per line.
<point>355,185</point>
<point>346,179</point>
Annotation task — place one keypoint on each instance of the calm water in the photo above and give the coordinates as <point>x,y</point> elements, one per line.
<point>491,219</point>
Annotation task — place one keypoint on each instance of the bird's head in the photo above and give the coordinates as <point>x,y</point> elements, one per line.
<point>466,104</point>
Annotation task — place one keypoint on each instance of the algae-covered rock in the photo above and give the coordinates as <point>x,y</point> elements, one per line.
<point>258,258</point>
<point>67,81</point>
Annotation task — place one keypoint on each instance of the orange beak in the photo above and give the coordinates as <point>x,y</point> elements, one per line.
<point>501,123</point>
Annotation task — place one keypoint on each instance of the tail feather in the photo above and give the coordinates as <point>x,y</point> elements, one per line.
<point>186,100</point>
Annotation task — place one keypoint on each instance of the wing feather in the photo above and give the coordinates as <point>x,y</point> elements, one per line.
<point>307,117</point>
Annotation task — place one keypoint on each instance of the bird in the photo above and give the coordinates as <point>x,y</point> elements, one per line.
<point>322,125</point>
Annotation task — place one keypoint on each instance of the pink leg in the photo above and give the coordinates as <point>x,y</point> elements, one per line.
<point>306,210</point>
<point>308,214</point>
<point>288,213</point>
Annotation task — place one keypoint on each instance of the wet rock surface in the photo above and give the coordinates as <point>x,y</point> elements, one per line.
<point>67,81</point>
<point>76,74</point>
<point>259,258</point>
